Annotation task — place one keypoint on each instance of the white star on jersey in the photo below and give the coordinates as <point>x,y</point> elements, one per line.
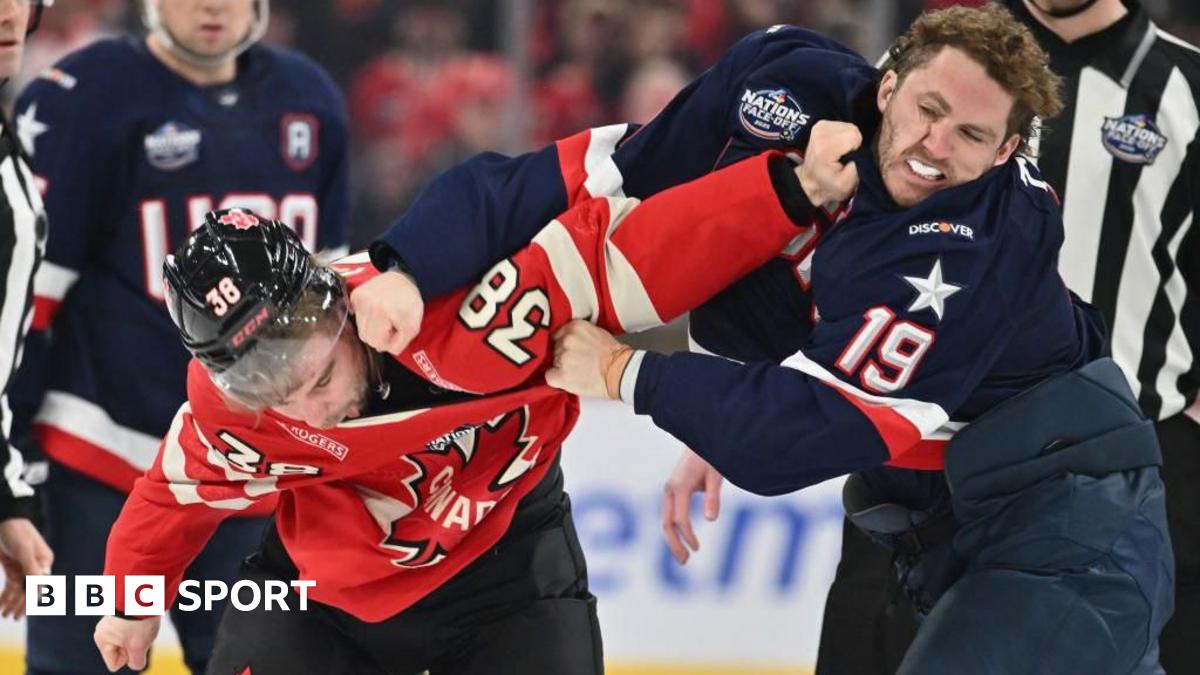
<point>29,127</point>
<point>932,291</point>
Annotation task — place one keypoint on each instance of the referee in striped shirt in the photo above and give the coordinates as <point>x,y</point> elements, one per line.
<point>22,241</point>
<point>1125,157</point>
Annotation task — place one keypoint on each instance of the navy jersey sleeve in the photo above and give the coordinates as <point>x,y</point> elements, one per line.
<point>764,93</point>
<point>917,325</point>
<point>57,122</point>
<point>472,215</point>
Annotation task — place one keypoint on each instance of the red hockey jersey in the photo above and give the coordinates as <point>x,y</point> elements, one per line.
<point>381,510</point>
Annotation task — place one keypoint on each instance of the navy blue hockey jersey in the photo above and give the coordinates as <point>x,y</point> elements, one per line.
<point>130,156</point>
<point>893,326</point>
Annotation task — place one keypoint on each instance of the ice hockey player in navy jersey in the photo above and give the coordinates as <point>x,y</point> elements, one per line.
<point>927,301</point>
<point>132,141</point>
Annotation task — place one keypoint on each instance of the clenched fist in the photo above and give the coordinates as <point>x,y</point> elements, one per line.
<point>823,176</point>
<point>125,642</point>
<point>388,311</point>
<point>588,361</point>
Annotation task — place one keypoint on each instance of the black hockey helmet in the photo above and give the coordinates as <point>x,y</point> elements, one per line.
<point>247,299</point>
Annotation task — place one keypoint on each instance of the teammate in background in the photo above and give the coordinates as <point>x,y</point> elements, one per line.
<point>421,492</point>
<point>962,330</point>
<point>22,242</point>
<point>1126,161</point>
<point>133,141</point>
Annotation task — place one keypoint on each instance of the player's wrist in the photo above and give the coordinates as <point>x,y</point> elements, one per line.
<point>789,190</point>
<point>617,361</point>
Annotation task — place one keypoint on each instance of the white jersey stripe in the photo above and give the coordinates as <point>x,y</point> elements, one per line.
<point>15,317</point>
<point>630,300</point>
<point>174,466</point>
<point>1162,34</point>
<point>255,487</point>
<point>88,421</point>
<point>570,270</point>
<point>929,419</point>
<point>380,420</point>
<point>604,179</point>
<point>53,281</point>
<point>1087,180</point>
<point>1179,355</point>
<point>1140,275</point>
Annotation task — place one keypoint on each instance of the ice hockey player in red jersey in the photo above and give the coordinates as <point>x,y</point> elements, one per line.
<point>420,491</point>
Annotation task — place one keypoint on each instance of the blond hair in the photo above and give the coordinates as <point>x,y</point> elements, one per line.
<point>996,40</point>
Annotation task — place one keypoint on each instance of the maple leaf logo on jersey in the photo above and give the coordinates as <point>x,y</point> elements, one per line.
<point>440,503</point>
<point>239,220</point>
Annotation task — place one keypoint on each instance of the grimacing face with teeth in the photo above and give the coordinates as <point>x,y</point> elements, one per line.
<point>944,124</point>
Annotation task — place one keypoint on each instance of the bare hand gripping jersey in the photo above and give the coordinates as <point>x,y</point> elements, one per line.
<point>382,509</point>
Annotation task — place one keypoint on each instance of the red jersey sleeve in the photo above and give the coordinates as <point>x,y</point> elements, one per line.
<point>176,506</point>
<point>621,263</point>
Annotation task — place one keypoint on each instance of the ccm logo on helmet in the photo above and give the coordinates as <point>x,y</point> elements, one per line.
<point>248,328</point>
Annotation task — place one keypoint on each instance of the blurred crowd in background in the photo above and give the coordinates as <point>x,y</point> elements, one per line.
<point>429,82</point>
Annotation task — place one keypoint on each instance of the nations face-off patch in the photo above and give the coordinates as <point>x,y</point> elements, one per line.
<point>1132,138</point>
<point>772,114</point>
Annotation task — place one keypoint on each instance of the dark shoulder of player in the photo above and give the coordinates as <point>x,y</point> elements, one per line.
<point>300,76</point>
<point>1030,209</point>
<point>826,79</point>
<point>97,70</point>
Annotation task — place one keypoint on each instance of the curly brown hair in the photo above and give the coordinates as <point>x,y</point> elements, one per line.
<point>1000,43</point>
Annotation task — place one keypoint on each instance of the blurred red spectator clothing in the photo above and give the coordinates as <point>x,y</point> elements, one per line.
<point>706,33</point>
<point>471,92</point>
<point>565,102</point>
<point>475,76</point>
<point>389,103</point>
<point>380,96</point>
<point>712,26</point>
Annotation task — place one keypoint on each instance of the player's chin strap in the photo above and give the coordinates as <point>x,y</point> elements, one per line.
<point>153,21</point>
<point>1064,13</point>
<point>375,372</point>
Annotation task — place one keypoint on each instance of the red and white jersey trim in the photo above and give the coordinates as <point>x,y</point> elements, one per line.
<point>570,269</point>
<point>604,179</point>
<point>53,281</point>
<point>587,166</point>
<point>85,420</point>
<point>626,291</point>
<point>50,286</point>
<point>905,425</point>
<point>635,311</point>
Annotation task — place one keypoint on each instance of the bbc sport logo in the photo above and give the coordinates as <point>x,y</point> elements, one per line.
<point>96,595</point>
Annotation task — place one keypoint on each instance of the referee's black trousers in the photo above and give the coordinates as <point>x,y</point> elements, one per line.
<point>1179,643</point>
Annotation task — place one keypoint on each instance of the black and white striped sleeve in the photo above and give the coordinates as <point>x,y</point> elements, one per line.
<point>22,244</point>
